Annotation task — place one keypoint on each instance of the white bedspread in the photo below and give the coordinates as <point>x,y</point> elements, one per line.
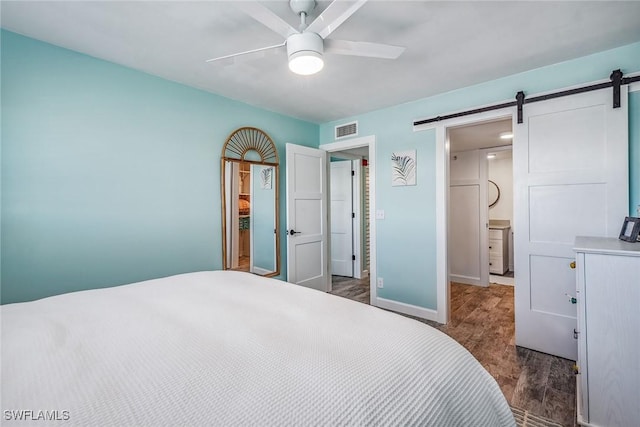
<point>229,348</point>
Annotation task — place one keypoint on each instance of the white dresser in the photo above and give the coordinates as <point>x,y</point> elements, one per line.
<point>608,298</point>
<point>498,248</point>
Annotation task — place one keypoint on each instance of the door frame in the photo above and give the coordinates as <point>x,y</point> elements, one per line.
<point>370,142</point>
<point>442,197</point>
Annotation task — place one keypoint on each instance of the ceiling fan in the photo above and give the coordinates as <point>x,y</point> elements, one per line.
<point>306,46</point>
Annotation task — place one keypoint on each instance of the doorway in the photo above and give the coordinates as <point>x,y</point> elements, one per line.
<point>360,151</point>
<point>480,213</point>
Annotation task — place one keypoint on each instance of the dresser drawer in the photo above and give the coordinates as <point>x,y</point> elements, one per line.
<point>495,247</point>
<point>497,265</point>
<point>495,234</point>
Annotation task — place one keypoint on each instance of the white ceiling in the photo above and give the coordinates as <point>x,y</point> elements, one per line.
<point>449,45</point>
<point>479,135</point>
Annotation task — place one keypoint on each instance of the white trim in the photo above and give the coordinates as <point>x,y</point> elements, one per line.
<point>467,280</point>
<point>501,280</point>
<point>365,141</point>
<point>484,216</point>
<point>252,267</point>
<point>356,203</point>
<point>411,310</point>
<point>442,200</point>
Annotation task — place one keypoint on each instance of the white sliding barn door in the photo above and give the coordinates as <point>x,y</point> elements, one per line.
<point>570,178</point>
<point>307,235</point>
<point>342,250</point>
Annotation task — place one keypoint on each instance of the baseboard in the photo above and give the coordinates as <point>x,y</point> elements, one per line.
<point>502,280</point>
<point>411,310</point>
<point>465,280</point>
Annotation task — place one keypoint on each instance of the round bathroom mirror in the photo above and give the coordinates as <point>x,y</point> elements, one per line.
<point>493,192</point>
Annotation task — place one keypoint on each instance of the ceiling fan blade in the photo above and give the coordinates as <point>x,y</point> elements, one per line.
<point>373,50</point>
<point>247,52</point>
<point>333,16</point>
<point>266,17</point>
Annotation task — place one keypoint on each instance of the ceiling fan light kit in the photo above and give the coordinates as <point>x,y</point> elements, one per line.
<point>305,53</point>
<point>305,46</point>
<point>306,63</point>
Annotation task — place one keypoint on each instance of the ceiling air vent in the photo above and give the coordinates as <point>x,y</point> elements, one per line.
<point>349,129</point>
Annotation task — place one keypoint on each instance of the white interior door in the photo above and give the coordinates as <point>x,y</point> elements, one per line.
<point>307,235</point>
<point>342,250</point>
<point>468,219</point>
<point>570,178</point>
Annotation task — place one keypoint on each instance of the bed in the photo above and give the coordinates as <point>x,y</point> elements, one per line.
<point>231,348</point>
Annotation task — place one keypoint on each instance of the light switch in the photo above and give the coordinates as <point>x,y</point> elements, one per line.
<point>380,214</point>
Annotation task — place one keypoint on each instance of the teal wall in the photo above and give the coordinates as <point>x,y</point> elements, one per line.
<point>406,241</point>
<point>110,175</point>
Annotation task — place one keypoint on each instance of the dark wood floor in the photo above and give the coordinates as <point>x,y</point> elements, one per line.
<point>482,320</point>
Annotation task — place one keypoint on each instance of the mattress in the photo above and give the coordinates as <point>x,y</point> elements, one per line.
<point>232,348</point>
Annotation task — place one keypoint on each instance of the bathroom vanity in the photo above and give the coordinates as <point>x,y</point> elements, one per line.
<point>499,246</point>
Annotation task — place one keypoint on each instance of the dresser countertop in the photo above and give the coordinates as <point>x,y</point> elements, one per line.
<point>499,227</point>
<point>606,245</point>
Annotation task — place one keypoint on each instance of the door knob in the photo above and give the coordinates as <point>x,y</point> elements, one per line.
<point>572,265</point>
<point>292,232</point>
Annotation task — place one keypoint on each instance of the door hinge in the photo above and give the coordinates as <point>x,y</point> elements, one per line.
<point>353,173</point>
<point>353,257</point>
<point>353,214</point>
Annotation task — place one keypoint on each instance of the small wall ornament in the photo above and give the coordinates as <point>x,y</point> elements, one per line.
<point>403,168</point>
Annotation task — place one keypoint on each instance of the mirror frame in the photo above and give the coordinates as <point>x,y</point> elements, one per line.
<point>241,142</point>
<point>492,204</point>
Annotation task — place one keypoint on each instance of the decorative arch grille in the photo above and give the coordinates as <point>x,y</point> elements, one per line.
<point>249,139</point>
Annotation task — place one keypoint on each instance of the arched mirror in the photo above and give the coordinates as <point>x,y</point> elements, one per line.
<point>250,214</point>
<point>493,192</point>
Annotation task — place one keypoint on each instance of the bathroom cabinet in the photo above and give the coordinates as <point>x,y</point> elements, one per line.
<point>498,249</point>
